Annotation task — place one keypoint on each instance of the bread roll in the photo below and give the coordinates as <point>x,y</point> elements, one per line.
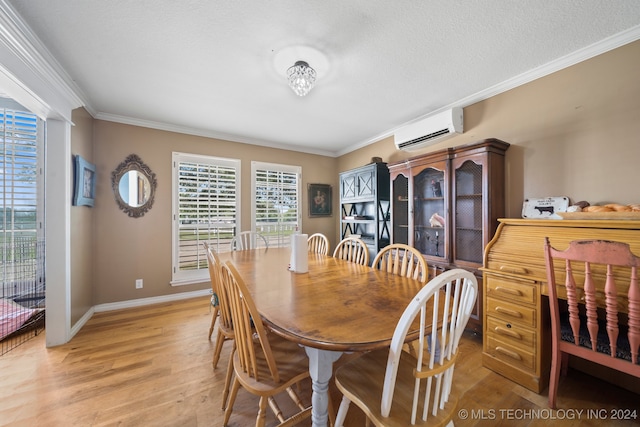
<point>596,208</point>
<point>618,207</point>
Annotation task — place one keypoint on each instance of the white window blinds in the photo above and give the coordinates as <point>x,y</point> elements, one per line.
<point>276,201</point>
<point>206,208</point>
<point>22,206</point>
<point>19,175</point>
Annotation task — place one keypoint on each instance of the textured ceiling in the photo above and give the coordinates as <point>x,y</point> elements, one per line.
<point>209,67</point>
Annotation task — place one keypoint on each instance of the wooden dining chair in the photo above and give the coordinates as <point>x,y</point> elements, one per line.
<point>402,260</point>
<point>248,240</point>
<point>590,325</point>
<point>395,388</point>
<point>264,364</point>
<point>352,249</point>
<point>214,304</point>
<point>318,244</point>
<point>407,261</point>
<point>225,325</point>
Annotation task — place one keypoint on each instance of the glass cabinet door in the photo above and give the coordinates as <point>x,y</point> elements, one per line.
<point>429,212</point>
<point>400,209</point>
<point>468,209</point>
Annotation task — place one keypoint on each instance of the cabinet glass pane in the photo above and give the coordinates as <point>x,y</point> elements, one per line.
<point>429,212</point>
<point>468,209</point>
<point>401,210</point>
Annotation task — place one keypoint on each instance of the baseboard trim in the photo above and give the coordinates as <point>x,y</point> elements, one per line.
<point>134,303</point>
<point>147,301</point>
<point>80,323</point>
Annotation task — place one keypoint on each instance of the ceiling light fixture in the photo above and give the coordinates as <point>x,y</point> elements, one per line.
<point>301,78</point>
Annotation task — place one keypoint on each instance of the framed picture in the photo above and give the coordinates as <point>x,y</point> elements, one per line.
<point>84,183</point>
<point>319,199</point>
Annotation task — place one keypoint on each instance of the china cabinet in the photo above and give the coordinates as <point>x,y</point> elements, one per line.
<point>447,203</point>
<point>364,205</point>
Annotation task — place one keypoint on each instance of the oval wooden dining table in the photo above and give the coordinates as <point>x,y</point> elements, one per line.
<point>335,307</point>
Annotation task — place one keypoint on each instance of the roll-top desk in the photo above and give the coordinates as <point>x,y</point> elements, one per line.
<point>516,327</point>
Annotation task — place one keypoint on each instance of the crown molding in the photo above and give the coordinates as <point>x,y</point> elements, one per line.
<point>33,75</point>
<point>617,40</point>
<point>208,134</point>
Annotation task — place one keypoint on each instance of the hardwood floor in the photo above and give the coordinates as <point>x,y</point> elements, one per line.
<point>151,366</point>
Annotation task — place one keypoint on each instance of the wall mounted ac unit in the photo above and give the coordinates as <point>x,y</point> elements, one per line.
<point>430,130</point>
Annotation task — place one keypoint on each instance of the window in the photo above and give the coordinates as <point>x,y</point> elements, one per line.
<point>276,201</point>
<point>21,224</point>
<point>206,208</point>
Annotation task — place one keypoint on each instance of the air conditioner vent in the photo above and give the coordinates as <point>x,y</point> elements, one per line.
<point>424,138</point>
<point>429,131</point>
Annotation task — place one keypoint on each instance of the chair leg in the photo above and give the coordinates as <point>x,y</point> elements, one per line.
<point>296,399</point>
<point>232,400</point>
<point>227,380</point>
<point>262,411</point>
<point>216,353</point>
<point>342,412</point>
<point>276,409</point>
<point>554,376</point>
<point>214,316</point>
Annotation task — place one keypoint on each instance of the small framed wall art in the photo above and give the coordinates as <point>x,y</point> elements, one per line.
<point>84,183</point>
<point>319,199</point>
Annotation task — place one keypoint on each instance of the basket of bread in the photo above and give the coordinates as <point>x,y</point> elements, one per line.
<point>585,210</point>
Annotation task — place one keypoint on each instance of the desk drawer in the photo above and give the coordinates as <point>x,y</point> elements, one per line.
<point>511,312</point>
<point>511,289</point>
<point>510,354</point>
<point>511,333</point>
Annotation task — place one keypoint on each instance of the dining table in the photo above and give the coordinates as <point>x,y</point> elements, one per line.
<point>335,307</point>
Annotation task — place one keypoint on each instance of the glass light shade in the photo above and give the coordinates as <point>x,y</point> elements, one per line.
<point>301,78</point>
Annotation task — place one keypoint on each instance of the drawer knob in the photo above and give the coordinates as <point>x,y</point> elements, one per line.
<point>508,312</point>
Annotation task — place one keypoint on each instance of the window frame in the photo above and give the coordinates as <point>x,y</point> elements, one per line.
<point>199,274</point>
<point>280,239</point>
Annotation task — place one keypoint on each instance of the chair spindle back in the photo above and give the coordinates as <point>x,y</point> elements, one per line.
<point>592,268</point>
<point>352,249</point>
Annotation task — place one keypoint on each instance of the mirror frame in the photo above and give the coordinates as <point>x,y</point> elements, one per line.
<point>133,163</point>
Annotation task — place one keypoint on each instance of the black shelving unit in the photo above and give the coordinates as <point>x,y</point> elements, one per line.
<point>365,206</point>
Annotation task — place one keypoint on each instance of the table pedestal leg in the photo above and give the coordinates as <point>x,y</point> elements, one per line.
<point>321,369</point>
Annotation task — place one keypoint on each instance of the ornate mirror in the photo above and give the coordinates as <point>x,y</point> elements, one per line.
<point>134,186</point>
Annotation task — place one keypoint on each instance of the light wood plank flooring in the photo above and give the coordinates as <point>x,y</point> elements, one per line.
<point>151,366</point>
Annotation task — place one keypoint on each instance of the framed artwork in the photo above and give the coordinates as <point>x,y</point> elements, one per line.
<point>84,183</point>
<point>319,199</point>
